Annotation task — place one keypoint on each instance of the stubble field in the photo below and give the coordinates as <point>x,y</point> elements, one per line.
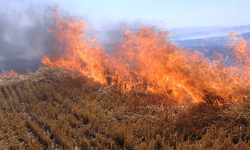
<point>57,109</point>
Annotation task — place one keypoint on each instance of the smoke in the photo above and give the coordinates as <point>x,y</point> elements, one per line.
<point>23,31</point>
<point>24,24</point>
<point>24,38</point>
<point>110,33</point>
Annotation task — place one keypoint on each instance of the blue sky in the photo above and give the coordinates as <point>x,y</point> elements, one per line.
<point>173,13</point>
<point>167,13</point>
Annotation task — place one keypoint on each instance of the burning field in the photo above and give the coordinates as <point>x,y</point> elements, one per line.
<point>146,94</point>
<point>147,62</point>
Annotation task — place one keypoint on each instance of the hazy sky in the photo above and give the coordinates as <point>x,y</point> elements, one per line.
<point>168,13</point>
<point>173,13</point>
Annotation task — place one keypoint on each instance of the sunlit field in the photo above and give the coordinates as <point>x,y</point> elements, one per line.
<point>58,109</point>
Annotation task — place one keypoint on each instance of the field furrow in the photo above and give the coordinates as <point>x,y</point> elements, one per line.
<point>77,113</point>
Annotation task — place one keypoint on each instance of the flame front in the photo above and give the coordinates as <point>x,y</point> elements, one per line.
<point>8,73</point>
<point>146,61</point>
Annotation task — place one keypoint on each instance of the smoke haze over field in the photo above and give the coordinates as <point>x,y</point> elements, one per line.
<point>24,23</point>
<point>23,33</point>
<point>23,29</point>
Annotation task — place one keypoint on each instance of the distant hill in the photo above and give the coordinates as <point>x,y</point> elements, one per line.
<point>189,30</point>
<point>208,45</point>
<point>207,32</point>
<point>213,34</point>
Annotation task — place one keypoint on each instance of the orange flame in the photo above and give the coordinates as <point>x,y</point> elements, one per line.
<point>9,73</point>
<point>148,62</point>
<point>81,55</point>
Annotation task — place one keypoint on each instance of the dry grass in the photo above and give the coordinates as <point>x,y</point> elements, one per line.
<point>56,109</point>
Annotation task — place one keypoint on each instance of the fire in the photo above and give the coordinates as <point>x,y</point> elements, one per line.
<point>146,61</point>
<point>9,73</point>
<point>78,54</point>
